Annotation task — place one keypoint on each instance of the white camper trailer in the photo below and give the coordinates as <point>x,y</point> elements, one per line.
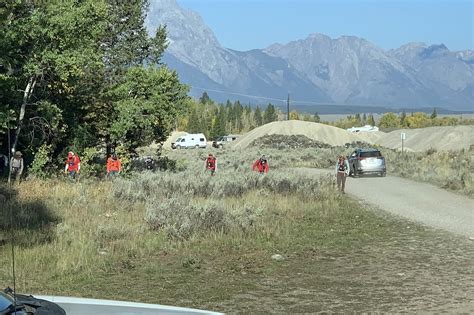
<point>192,140</point>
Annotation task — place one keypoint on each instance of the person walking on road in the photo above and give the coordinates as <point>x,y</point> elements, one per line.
<point>261,165</point>
<point>16,166</point>
<point>342,170</point>
<point>114,166</point>
<point>73,166</point>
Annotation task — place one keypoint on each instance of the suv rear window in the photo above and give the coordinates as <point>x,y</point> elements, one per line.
<point>370,154</point>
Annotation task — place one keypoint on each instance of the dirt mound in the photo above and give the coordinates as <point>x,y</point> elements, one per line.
<point>439,138</point>
<point>287,142</point>
<point>298,142</point>
<point>320,133</point>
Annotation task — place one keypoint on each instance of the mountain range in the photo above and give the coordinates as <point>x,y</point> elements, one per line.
<point>317,70</point>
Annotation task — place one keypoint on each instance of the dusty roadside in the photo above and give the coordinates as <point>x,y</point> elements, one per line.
<point>419,202</point>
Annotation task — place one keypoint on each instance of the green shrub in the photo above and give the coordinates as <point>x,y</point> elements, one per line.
<point>42,159</point>
<point>93,162</point>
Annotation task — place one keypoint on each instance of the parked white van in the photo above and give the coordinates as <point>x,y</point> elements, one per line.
<point>192,140</point>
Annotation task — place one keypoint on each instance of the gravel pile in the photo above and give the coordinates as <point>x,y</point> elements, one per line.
<point>287,142</point>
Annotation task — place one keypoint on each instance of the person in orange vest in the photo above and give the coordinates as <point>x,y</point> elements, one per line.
<point>73,166</point>
<point>211,164</point>
<point>114,166</point>
<point>261,165</point>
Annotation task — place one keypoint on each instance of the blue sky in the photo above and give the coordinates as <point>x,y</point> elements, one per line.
<point>249,24</point>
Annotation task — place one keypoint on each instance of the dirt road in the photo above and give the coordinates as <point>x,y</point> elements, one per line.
<point>419,202</point>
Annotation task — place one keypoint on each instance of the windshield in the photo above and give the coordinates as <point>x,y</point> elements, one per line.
<point>5,302</point>
<point>370,154</point>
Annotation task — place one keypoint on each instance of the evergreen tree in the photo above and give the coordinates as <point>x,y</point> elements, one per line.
<point>364,119</point>
<point>403,117</point>
<point>229,116</point>
<point>221,122</point>
<point>248,109</point>
<point>270,114</point>
<point>125,44</point>
<point>316,117</point>
<point>434,114</point>
<point>310,117</point>
<point>258,116</point>
<point>247,120</point>
<point>204,99</point>
<point>238,111</point>
<point>371,120</point>
<point>194,124</point>
<point>358,119</point>
<point>209,113</point>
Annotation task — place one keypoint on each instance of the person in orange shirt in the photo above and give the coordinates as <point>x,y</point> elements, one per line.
<point>114,166</point>
<point>73,166</point>
<point>261,165</point>
<point>211,164</point>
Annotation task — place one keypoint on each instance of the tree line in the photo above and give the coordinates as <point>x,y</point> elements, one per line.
<point>214,119</point>
<point>420,120</point>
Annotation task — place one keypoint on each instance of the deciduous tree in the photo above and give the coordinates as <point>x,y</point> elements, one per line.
<point>389,120</point>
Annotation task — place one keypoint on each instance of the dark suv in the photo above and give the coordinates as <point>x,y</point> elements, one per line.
<point>367,161</point>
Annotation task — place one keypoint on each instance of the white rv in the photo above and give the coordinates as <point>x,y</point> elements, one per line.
<point>366,128</point>
<point>192,140</point>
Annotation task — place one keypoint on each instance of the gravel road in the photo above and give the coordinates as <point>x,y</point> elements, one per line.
<point>419,202</point>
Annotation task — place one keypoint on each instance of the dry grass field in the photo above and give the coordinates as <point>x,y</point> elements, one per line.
<point>185,238</point>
